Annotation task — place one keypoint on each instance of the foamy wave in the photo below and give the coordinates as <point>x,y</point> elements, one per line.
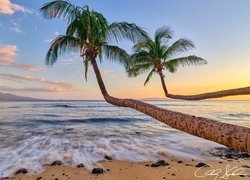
<point>90,147</point>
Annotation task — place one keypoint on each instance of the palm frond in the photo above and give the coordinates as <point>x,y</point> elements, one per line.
<point>139,68</point>
<point>60,46</point>
<point>122,30</point>
<point>181,45</point>
<point>116,54</point>
<point>149,77</point>
<point>97,28</point>
<point>163,34</point>
<point>60,9</point>
<point>86,67</point>
<point>172,64</point>
<point>140,56</point>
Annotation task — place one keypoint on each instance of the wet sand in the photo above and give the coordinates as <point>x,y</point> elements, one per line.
<point>175,168</point>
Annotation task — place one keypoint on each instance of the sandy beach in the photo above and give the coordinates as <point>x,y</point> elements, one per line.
<point>180,169</point>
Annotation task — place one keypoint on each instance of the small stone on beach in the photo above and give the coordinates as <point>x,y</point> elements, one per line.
<point>108,158</point>
<point>22,171</point>
<point>97,171</point>
<point>159,163</point>
<point>80,165</point>
<point>56,163</point>
<point>201,165</point>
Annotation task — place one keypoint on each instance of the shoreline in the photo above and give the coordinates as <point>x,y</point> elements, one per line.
<point>175,168</point>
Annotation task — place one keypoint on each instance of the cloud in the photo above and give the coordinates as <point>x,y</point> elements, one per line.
<point>57,33</point>
<point>53,86</point>
<point>7,7</point>
<point>7,54</point>
<point>16,28</point>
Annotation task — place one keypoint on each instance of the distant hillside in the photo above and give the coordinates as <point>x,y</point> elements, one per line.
<point>12,97</point>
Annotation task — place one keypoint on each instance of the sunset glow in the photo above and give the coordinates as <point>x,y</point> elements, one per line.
<point>221,37</point>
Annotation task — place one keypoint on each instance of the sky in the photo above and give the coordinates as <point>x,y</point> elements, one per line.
<point>219,29</point>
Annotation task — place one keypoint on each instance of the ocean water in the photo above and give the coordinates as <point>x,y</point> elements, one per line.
<point>34,134</point>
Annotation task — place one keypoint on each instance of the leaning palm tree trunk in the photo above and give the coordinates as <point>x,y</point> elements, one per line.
<point>217,94</point>
<point>210,95</point>
<point>233,136</point>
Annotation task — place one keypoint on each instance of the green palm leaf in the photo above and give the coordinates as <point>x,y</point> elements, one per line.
<point>163,34</point>
<point>60,46</point>
<point>149,77</point>
<point>60,9</point>
<point>138,69</point>
<point>180,46</point>
<point>172,64</point>
<point>124,30</point>
<point>86,67</point>
<point>116,54</point>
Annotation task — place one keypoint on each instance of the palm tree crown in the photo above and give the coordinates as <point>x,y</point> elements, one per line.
<point>88,33</point>
<point>156,55</point>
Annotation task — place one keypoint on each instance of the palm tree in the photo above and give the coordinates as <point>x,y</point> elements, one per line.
<point>88,33</point>
<point>155,55</point>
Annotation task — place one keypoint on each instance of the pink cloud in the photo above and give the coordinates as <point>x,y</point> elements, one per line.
<point>7,7</point>
<point>7,54</point>
<point>53,86</point>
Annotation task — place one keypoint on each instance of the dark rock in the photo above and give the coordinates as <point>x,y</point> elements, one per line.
<point>220,162</point>
<point>137,133</point>
<point>246,166</point>
<point>22,171</point>
<point>242,175</point>
<point>80,165</point>
<point>97,171</point>
<point>56,179</point>
<point>173,174</point>
<point>164,178</point>
<point>147,165</point>
<point>179,162</point>
<point>5,178</point>
<point>108,169</point>
<point>228,153</point>
<point>159,163</point>
<point>56,163</point>
<point>188,165</point>
<point>39,178</point>
<point>192,159</point>
<point>108,158</point>
<point>201,165</point>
